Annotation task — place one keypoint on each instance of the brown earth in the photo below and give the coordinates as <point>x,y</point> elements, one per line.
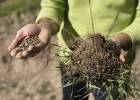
<point>95,59</point>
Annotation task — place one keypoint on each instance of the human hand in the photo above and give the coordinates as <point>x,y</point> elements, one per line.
<point>29,30</point>
<point>124,41</point>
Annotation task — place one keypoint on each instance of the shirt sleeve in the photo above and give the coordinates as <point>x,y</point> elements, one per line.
<point>133,30</point>
<point>53,9</point>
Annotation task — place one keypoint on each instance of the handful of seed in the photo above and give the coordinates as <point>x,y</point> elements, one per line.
<point>96,61</point>
<point>29,41</point>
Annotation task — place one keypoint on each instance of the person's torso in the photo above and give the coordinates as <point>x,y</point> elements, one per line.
<point>107,17</point>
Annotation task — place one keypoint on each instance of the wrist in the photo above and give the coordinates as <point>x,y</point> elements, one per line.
<point>44,35</point>
<point>123,41</point>
<point>47,24</point>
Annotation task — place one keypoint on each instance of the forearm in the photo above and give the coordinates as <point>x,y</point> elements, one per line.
<point>123,40</point>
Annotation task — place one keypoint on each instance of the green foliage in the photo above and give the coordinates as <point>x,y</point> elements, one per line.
<point>11,6</point>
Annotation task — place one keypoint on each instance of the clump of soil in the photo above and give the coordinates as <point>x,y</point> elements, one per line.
<point>94,59</point>
<point>29,41</point>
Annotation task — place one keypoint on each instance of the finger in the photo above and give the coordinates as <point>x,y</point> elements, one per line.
<point>122,58</point>
<point>33,50</point>
<point>31,29</point>
<point>25,53</point>
<point>30,48</point>
<point>14,51</point>
<point>16,41</point>
<point>122,55</point>
<point>27,37</point>
<point>19,55</point>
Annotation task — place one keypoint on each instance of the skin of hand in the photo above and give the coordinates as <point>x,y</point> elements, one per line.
<point>43,30</point>
<point>122,55</point>
<point>124,42</point>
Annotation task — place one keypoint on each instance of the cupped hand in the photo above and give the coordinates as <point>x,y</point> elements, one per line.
<point>28,30</point>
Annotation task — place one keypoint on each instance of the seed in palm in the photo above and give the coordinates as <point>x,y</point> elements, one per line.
<point>29,41</point>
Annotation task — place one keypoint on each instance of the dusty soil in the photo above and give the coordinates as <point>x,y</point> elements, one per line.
<point>95,59</point>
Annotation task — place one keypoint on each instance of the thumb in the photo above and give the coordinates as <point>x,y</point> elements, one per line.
<point>16,40</point>
<point>122,55</point>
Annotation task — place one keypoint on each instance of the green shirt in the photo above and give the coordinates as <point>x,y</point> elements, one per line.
<point>80,17</point>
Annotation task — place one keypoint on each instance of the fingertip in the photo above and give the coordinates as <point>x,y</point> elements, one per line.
<point>19,55</point>
<point>30,48</point>
<point>122,58</point>
<point>14,52</point>
<point>9,49</point>
<point>25,53</point>
<point>16,41</point>
<point>27,37</point>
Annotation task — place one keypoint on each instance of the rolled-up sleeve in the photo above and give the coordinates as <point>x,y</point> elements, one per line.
<point>133,30</point>
<point>53,9</point>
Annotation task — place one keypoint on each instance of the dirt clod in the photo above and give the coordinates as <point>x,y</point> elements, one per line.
<point>95,59</point>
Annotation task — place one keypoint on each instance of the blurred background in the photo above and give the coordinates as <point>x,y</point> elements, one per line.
<point>36,78</point>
